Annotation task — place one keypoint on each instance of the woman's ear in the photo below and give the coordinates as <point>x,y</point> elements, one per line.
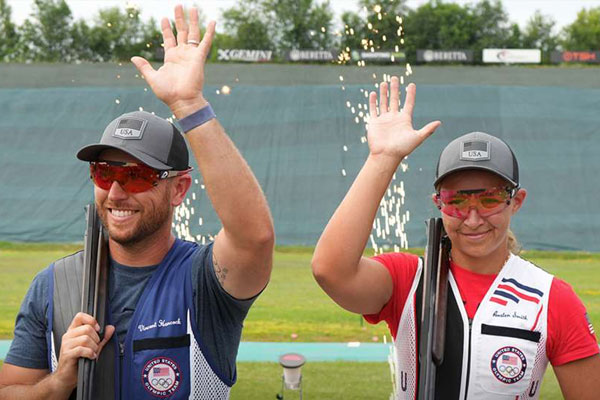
<point>518,200</point>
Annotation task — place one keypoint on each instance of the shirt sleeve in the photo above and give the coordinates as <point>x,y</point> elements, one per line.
<point>29,348</point>
<point>570,333</point>
<point>219,316</point>
<point>402,268</point>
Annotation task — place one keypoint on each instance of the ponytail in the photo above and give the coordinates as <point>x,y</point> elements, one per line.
<point>513,244</point>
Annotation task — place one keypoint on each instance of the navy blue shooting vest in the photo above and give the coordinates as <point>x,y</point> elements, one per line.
<point>162,355</point>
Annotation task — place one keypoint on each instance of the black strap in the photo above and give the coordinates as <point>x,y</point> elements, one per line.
<point>511,332</point>
<point>68,278</point>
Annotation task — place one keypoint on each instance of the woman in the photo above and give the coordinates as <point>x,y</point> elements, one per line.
<point>506,317</point>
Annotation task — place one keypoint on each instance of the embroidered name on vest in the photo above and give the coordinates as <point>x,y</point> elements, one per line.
<point>507,315</point>
<point>161,323</point>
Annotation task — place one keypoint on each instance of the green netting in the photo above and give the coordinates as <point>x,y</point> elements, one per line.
<point>292,134</point>
<point>125,75</point>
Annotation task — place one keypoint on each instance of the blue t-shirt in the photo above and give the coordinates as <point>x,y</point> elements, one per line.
<point>219,316</point>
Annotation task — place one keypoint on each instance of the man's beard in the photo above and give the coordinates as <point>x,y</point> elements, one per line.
<point>153,220</point>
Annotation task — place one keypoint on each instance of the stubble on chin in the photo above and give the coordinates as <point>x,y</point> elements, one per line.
<point>147,224</point>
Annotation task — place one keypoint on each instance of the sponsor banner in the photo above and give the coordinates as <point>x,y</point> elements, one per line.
<point>512,56</point>
<point>464,56</point>
<point>591,57</point>
<point>311,55</point>
<point>246,55</point>
<point>380,55</point>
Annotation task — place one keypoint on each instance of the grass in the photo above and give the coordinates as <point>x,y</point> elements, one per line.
<point>294,304</point>
<point>306,311</point>
<point>581,271</point>
<point>18,267</point>
<point>336,380</point>
<point>326,380</point>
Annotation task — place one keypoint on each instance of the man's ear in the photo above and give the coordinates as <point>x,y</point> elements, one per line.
<point>517,201</point>
<point>179,190</point>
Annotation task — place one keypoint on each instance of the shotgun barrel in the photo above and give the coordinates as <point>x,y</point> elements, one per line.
<point>432,333</point>
<point>94,292</point>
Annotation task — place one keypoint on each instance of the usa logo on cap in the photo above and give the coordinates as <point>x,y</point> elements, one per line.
<point>475,150</point>
<point>130,128</point>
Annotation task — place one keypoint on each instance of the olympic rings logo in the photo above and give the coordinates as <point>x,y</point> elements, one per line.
<point>508,364</point>
<point>161,376</point>
<point>509,370</point>
<point>162,382</point>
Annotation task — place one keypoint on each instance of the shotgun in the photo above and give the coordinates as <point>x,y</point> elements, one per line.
<point>94,292</point>
<point>432,333</point>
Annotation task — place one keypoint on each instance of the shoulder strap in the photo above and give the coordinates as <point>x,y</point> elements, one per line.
<point>68,279</point>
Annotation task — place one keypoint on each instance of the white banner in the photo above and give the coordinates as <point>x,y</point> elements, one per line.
<point>385,56</point>
<point>428,55</point>
<point>512,56</point>
<point>311,55</point>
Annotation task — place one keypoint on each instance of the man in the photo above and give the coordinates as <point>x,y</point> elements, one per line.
<point>506,317</point>
<point>175,308</point>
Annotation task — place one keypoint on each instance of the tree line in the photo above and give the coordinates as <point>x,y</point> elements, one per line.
<point>51,34</point>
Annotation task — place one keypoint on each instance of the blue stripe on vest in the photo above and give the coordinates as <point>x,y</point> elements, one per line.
<point>521,286</point>
<point>507,295</point>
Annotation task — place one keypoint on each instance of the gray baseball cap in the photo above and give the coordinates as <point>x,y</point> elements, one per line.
<point>478,150</point>
<point>152,140</point>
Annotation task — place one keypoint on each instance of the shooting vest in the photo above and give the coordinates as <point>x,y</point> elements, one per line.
<point>500,354</point>
<point>162,354</point>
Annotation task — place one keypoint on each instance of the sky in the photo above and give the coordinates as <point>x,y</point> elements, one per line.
<point>563,11</point>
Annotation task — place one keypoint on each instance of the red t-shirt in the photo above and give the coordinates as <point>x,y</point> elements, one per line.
<point>570,336</point>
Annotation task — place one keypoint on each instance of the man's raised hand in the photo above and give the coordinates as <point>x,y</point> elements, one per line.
<point>179,81</point>
<point>390,132</point>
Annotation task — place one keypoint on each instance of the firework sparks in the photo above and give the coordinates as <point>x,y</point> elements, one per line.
<point>389,224</point>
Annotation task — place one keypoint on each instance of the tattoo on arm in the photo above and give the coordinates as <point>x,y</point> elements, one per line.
<point>221,272</point>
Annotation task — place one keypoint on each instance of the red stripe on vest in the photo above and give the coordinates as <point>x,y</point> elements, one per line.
<point>499,301</point>
<point>517,293</point>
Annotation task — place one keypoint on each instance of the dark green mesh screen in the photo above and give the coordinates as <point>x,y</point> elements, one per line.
<point>291,124</point>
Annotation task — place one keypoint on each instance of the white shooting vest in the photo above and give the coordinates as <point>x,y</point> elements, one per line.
<point>503,353</point>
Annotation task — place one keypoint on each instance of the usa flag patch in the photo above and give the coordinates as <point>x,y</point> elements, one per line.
<point>130,128</point>
<point>511,290</point>
<point>475,150</point>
